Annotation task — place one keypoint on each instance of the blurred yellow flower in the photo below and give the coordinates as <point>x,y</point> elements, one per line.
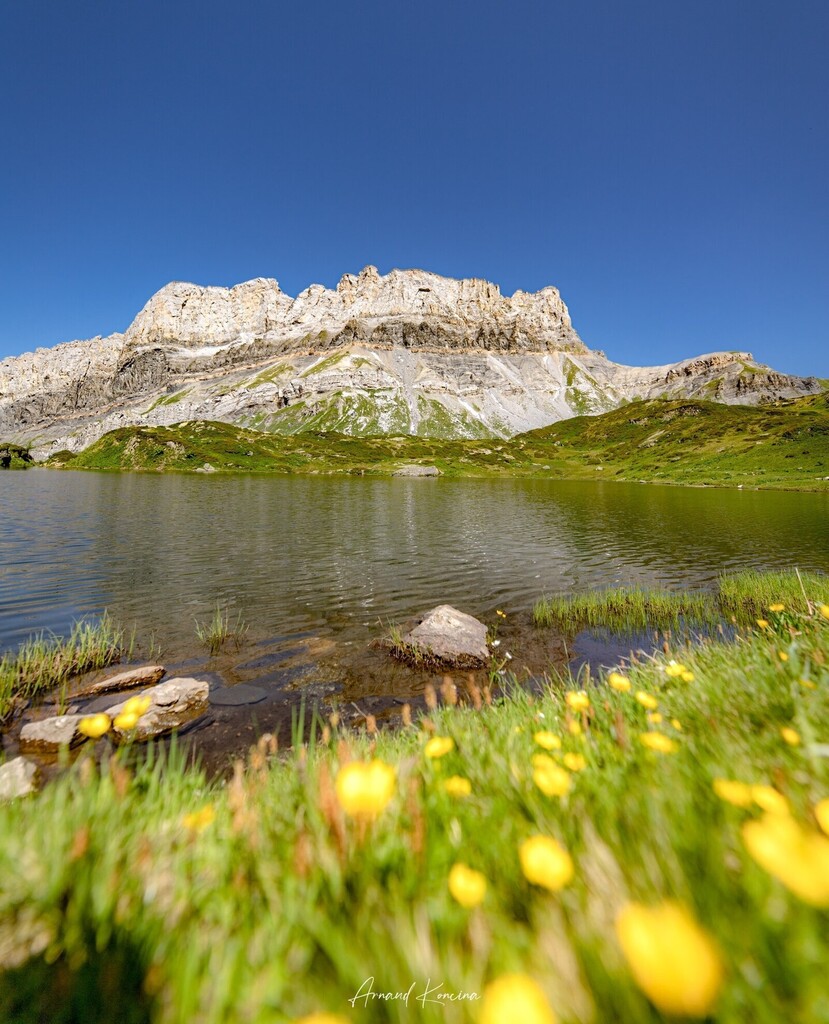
<point>124,721</point>
<point>808,684</point>
<point>457,785</point>
<point>797,857</point>
<point>686,676</point>
<point>822,814</point>
<point>574,728</point>
<point>769,799</point>
<point>545,862</point>
<point>763,623</point>
<point>647,700</point>
<point>618,682</point>
<point>777,607</point>
<point>94,726</point>
<point>551,779</point>
<point>659,741</point>
<point>466,885</point>
<point>673,669</point>
<point>322,1018</point>
<point>654,718</point>
<point>675,722</point>
<point>136,706</point>
<point>736,793</point>
<point>575,762</point>
<point>515,998</point>
<point>824,610</point>
<point>791,736</point>
<point>548,740</point>
<point>782,656</point>
<point>364,788</point>
<point>438,746</point>
<point>672,958</point>
<point>500,614</point>
<point>577,700</point>
<point>197,821</point>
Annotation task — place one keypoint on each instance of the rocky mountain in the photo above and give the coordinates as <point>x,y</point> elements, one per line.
<point>406,353</point>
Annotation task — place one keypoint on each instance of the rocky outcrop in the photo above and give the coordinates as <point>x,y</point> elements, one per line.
<point>449,638</point>
<point>173,705</point>
<point>405,352</point>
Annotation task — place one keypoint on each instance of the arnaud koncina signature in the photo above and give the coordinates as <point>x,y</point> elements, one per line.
<point>428,995</point>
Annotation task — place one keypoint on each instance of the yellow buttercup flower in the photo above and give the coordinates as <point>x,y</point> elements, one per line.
<point>736,793</point>
<point>364,788</point>
<point>647,700</point>
<point>824,610</point>
<point>672,958</point>
<point>791,736</point>
<point>322,1018</point>
<point>658,741</point>
<point>618,682</point>
<point>124,722</point>
<point>466,885</point>
<point>545,862</point>
<point>551,779</point>
<point>94,726</point>
<point>674,669</point>
<point>574,728</point>
<point>686,676</point>
<point>763,623</point>
<point>457,785</point>
<point>548,740</point>
<point>777,607</point>
<point>577,700</point>
<point>515,997</point>
<point>438,746</point>
<point>575,762</point>
<point>136,706</point>
<point>675,722</point>
<point>197,821</point>
<point>822,814</point>
<point>782,656</point>
<point>769,799</point>
<point>797,857</point>
<point>654,718</point>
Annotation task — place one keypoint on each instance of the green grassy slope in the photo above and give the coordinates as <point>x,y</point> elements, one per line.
<point>677,441</point>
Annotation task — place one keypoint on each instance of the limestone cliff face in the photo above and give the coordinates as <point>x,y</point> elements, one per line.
<point>408,352</point>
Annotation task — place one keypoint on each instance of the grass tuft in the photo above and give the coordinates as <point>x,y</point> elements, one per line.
<point>220,631</point>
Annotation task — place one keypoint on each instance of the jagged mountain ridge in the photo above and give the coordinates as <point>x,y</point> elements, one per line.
<point>405,352</point>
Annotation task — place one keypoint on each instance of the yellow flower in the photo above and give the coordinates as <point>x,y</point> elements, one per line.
<point>736,793</point>
<point>457,785</point>
<point>575,762</point>
<point>686,676</point>
<point>124,722</point>
<point>654,718</point>
<point>782,656</point>
<point>824,610</point>
<point>438,746</point>
<point>94,726</point>
<point>808,684</point>
<point>797,857</point>
<point>790,736</point>
<point>672,958</point>
<point>549,777</point>
<point>647,700</point>
<point>467,886</point>
<point>364,788</point>
<point>659,741</point>
<point>322,1018</point>
<point>574,728</point>
<point>500,614</point>
<point>618,682</point>
<point>675,722</point>
<point>673,669</point>
<point>545,862</point>
<point>548,740</point>
<point>769,799</point>
<point>777,607</point>
<point>763,623</point>
<point>197,821</point>
<point>136,706</point>
<point>577,700</point>
<point>822,814</point>
<point>515,997</point>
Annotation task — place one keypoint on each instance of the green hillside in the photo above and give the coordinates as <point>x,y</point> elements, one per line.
<point>678,441</point>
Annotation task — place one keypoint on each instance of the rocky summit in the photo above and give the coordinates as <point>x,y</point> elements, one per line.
<point>405,353</point>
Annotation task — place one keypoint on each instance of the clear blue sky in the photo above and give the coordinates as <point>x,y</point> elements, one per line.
<point>663,162</point>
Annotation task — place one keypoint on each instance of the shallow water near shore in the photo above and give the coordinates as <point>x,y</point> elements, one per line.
<point>320,566</point>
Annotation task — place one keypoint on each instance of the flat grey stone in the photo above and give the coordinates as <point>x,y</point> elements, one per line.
<point>237,696</point>
<point>141,675</point>
<point>17,778</point>
<point>50,734</point>
<point>172,705</point>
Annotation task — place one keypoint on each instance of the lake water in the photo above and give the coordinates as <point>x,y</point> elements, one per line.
<point>338,557</point>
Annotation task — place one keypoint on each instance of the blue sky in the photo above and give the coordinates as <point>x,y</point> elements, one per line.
<point>663,162</point>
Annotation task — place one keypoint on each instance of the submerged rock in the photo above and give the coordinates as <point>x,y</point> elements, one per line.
<point>17,778</point>
<point>237,696</point>
<point>142,675</point>
<point>50,734</point>
<point>172,705</point>
<point>453,638</point>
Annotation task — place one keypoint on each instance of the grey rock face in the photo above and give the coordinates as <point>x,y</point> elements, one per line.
<point>17,778</point>
<point>172,705</point>
<point>408,352</point>
<point>456,639</point>
<point>417,471</point>
<point>141,675</point>
<point>50,734</point>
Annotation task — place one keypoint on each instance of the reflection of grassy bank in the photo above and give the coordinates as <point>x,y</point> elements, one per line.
<point>263,900</point>
<point>687,442</point>
<point>47,663</point>
<point>741,594</point>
